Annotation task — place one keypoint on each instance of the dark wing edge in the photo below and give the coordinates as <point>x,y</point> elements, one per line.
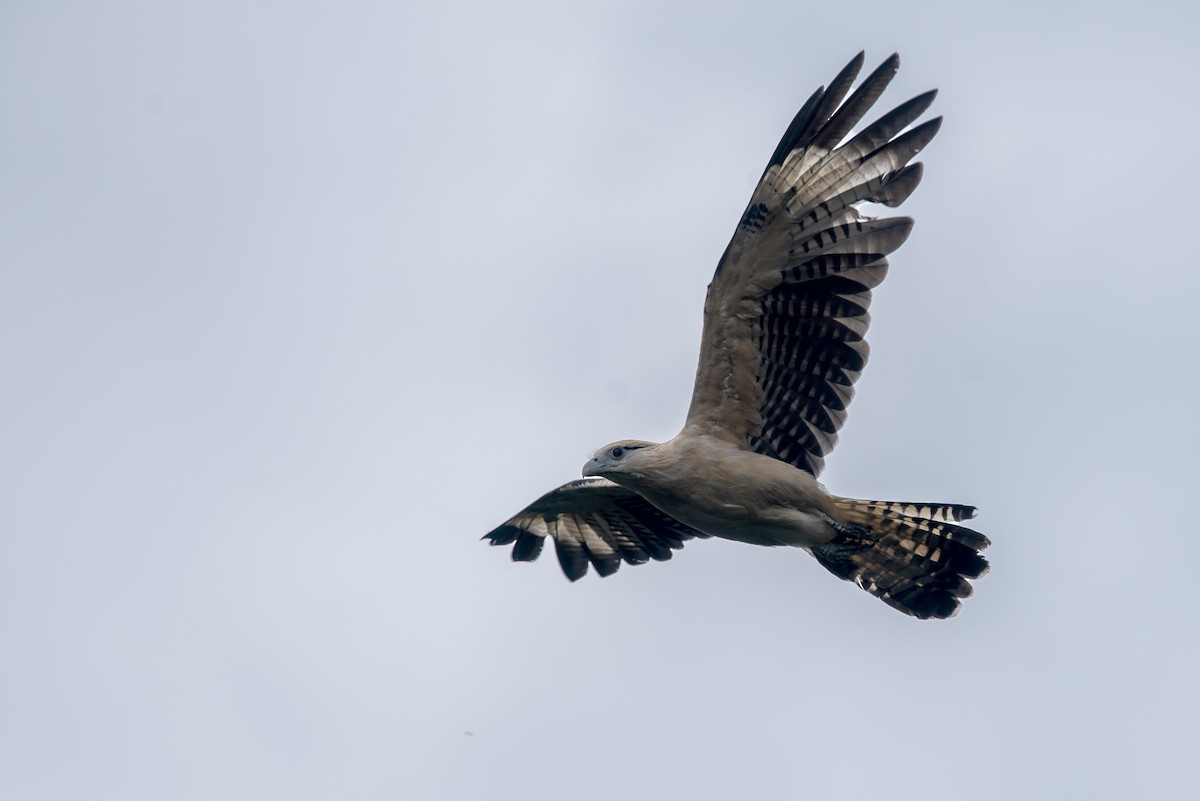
<point>593,522</point>
<point>800,269</point>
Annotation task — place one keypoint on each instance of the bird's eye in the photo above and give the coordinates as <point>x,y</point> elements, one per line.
<point>618,452</point>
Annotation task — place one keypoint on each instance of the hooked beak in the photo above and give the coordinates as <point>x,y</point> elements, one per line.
<point>592,468</point>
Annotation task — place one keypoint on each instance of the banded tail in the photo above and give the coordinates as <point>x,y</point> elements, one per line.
<point>911,556</point>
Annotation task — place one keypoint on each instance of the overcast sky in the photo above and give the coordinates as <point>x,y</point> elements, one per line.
<point>298,300</point>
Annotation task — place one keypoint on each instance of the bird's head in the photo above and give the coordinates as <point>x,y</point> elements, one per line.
<point>617,459</point>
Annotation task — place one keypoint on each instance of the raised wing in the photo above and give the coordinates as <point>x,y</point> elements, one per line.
<point>786,313</point>
<point>593,521</point>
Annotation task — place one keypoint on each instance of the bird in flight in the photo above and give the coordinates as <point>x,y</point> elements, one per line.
<point>783,342</point>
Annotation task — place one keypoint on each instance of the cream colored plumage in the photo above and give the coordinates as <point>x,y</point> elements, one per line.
<point>783,342</point>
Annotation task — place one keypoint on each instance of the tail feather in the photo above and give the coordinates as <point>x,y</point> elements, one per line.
<point>946,512</point>
<point>909,555</point>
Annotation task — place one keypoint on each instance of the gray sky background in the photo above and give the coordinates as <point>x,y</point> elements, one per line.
<point>299,300</point>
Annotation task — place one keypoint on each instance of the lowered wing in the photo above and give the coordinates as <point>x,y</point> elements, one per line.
<point>593,521</point>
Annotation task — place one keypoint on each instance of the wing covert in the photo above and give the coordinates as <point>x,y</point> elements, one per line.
<point>593,521</point>
<point>786,314</point>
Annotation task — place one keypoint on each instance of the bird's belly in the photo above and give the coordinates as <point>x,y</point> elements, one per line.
<point>772,525</point>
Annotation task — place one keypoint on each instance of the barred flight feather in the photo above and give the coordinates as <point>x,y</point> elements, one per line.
<point>891,188</point>
<point>833,396</point>
<point>803,327</point>
<point>593,522</point>
<point>873,238</point>
<point>796,408</point>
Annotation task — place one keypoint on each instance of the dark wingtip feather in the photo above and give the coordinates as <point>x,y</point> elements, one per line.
<point>528,547</point>
<point>878,134</point>
<point>820,105</point>
<point>607,565</point>
<point>572,559</point>
<point>852,111</point>
<point>839,87</point>
<point>913,141</point>
<point>916,106</point>
<point>502,535</point>
<point>797,130</point>
<point>900,186</point>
